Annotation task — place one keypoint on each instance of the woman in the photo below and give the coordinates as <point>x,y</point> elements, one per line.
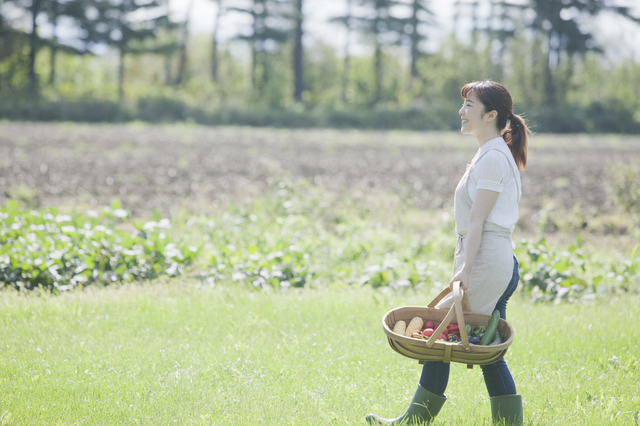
<point>485,212</point>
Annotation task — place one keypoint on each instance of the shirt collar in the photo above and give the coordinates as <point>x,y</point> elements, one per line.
<point>492,144</point>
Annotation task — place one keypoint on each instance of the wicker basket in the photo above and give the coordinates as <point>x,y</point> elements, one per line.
<point>439,350</point>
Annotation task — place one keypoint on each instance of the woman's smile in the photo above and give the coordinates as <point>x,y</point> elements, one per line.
<point>470,113</point>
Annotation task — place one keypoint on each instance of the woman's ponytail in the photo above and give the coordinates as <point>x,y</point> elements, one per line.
<point>516,136</point>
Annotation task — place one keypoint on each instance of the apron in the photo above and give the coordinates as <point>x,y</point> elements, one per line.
<point>493,266</point>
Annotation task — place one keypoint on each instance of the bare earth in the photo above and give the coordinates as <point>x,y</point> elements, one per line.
<point>164,167</point>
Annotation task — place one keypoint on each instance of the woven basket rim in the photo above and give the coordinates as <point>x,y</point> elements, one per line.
<point>441,344</point>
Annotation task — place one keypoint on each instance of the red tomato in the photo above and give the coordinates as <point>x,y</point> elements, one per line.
<point>429,324</point>
<point>453,328</point>
<point>428,332</point>
<point>443,337</point>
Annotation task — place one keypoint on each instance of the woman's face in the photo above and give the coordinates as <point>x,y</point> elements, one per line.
<point>473,116</point>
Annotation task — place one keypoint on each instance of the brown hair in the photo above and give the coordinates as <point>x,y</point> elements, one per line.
<point>495,97</point>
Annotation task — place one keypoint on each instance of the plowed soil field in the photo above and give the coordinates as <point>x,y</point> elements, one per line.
<point>169,166</point>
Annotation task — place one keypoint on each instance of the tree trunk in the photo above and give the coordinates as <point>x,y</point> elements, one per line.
<point>182,65</point>
<point>254,64</point>
<point>298,69</point>
<point>254,52</point>
<point>168,79</point>
<point>265,68</point>
<point>52,66</point>
<point>214,44</point>
<point>121,75</point>
<point>415,39</point>
<point>377,66</point>
<point>414,59</point>
<point>549,85</point>
<point>214,58</point>
<point>264,54</point>
<point>561,95</point>
<point>54,23</point>
<point>378,72</point>
<point>347,54</point>
<point>168,59</point>
<point>475,26</point>
<point>33,46</point>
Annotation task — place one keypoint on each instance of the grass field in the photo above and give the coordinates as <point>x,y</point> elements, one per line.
<point>228,343</point>
<point>175,352</point>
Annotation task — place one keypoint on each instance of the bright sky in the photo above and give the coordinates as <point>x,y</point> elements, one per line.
<point>317,13</point>
<point>618,34</point>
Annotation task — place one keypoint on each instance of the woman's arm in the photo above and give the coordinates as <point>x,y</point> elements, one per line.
<point>482,205</point>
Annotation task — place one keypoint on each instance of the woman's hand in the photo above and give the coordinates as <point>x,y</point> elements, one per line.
<point>463,276</point>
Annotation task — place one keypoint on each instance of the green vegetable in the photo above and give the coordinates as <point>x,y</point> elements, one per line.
<point>478,331</point>
<point>491,328</point>
<point>497,340</point>
<point>474,331</point>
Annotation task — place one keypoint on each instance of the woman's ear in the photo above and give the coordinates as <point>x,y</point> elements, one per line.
<point>493,115</point>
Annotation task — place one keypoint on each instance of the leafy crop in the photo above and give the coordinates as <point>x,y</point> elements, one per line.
<point>297,235</point>
<point>60,251</point>
<point>624,183</point>
<point>551,274</point>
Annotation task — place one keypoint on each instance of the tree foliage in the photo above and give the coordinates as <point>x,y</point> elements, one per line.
<point>117,24</point>
<point>544,50</point>
<point>269,28</point>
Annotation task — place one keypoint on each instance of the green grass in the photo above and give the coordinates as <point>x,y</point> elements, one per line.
<point>179,352</point>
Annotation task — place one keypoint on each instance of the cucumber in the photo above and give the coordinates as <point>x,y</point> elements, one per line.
<point>490,332</point>
<point>497,340</point>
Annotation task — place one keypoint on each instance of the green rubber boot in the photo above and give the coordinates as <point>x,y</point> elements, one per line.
<point>507,410</point>
<point>423,408</point>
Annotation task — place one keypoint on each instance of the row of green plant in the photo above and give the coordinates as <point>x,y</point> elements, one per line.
<point>297,235</point>
<point>158,109</point>
<point>62,251</point>
<point>594,118</point>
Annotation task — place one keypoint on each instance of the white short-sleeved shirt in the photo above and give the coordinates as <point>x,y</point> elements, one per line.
<point>495,169</point>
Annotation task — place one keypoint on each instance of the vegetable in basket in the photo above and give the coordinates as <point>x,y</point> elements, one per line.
<point>489,335</point>
<point>496,340</point>
<point>400,327</point>
<point>414,325</point>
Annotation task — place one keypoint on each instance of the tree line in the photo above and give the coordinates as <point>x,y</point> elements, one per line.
<point>551,32</point>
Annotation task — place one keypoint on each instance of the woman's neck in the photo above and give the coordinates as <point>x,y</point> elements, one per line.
<point>486,136</point>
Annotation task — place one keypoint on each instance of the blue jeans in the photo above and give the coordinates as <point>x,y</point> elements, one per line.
<point>497,377</point>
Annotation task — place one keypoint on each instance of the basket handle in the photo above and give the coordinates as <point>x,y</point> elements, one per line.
<point>443,293</point>
<point>454,311</point>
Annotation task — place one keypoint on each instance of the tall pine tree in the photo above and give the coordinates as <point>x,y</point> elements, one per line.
<point>557,23</point>
<point>39,12</point>
<point>346,20</point>
<point>421,18</point>
<point>268,25</point>
<point>55,10</point>
<point>298,63</point>
<point>379,25</point>
<point>124,25</point>
<point>220,10</point>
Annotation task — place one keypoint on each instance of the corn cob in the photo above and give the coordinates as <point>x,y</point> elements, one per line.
<point>414,325</point>
<point>400,328</point>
